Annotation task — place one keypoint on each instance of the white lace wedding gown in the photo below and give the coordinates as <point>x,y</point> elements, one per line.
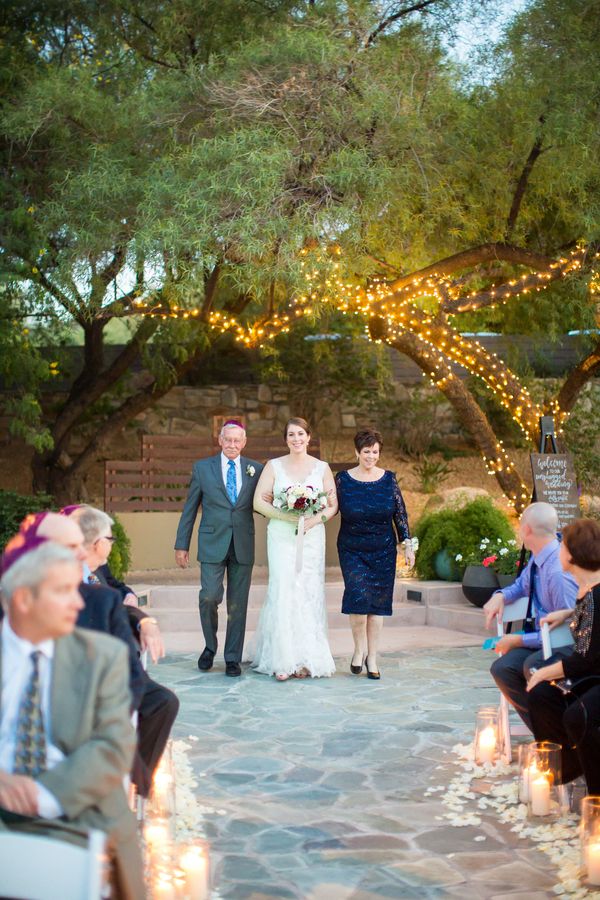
<point>292,629</point>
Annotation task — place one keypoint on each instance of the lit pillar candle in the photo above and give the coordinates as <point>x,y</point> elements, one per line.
<point>592,862</point>
<point>527,776</point>
<point>156,835</point>
<point>539,789</point>
<point>487,745</point>
<point>194,864</point>
<point>164,889</point>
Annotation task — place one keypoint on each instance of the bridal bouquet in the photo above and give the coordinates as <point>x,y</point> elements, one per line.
<point>301,499</point>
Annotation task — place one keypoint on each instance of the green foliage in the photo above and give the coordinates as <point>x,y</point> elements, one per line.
<point>339,365</point>
<point>459,532</point>
<point>582,437</point>
<point>144,147</point>
<point>503,556</point>
<point>13,509</point>
<point>412,419</point>
<point>431,473</point>
<point>120,555</point>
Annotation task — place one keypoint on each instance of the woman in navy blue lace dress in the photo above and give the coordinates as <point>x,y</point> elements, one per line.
<point>373,521</point>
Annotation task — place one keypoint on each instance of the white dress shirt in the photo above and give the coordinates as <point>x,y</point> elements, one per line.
<point>16,672</point>
<point>238,471</point>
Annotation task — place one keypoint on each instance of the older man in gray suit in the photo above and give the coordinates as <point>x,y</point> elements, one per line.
<point>224,486</point>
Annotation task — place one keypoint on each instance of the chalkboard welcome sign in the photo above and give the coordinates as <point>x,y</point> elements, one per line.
<point>554,482</point>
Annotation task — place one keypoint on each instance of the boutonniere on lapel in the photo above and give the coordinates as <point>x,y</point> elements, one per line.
<point>250,471</point>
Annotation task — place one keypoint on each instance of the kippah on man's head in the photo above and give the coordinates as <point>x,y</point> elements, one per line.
<point>23,542</point>
<point>32,522</point>
<point>69,510</point>
<point>235,422</point>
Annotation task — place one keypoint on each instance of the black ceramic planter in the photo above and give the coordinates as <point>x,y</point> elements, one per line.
<point>478,584</point>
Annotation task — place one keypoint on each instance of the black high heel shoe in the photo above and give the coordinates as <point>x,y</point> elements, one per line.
<point>374,675</point>
<point>356,670</point>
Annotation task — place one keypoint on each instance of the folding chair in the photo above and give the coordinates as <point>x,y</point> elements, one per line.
<point>513,612</point>
<point>560,636</point>
<point>39,867</point>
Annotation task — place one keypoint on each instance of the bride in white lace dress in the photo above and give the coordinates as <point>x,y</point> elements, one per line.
<point>291,638</point>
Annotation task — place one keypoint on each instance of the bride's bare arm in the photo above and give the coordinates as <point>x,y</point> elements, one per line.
<point>332,503</point>
<point>265,486</point>
<point>329,486</point>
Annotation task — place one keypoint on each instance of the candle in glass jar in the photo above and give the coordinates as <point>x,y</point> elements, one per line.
<point>539,793</point>
<point>526,777</point>
<point>156,834</point>
<point>164,890</point>
<point>194,864</point>
<point>487,745</point>
<point>592,862</point>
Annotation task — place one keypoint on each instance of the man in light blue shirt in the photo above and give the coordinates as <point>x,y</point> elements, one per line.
<point>549,588</point>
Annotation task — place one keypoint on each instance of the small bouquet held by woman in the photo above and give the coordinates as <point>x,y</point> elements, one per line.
<point>301,500</point>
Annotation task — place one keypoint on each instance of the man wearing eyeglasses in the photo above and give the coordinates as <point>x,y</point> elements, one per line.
<point>159,705</point>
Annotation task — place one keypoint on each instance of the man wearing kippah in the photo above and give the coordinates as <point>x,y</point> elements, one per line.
<point>224,486</point>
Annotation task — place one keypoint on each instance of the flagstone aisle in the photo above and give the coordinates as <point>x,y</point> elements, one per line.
<point>318,786</point>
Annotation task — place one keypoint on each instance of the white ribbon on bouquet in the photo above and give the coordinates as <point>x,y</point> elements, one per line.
<point>299,544</point>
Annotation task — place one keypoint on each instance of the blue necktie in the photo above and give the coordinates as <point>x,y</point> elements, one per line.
<point>231,482</point>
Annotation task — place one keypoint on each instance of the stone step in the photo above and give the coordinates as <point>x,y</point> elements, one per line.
<point>394,638</point>
<point>186,619</point>
<point>466,618</point>
<point>175,596</point>
<point>430,593</point>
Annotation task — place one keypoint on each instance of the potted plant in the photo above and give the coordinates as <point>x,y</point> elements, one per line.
<point>450,533</point>
<point>492,566</point>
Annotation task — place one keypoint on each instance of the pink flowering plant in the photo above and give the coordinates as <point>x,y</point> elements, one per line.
<point>501,555</point>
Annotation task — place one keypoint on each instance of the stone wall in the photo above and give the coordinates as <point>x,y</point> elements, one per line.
<point>266,408</point>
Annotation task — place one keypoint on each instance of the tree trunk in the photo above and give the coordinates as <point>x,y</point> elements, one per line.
<point>467,410</point>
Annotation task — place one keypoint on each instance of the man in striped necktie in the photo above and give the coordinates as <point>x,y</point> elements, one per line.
<point>68,777</point>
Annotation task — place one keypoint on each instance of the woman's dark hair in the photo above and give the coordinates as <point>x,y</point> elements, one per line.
<point>582,540</point>
<point>366,437</point>
<point>296,420</point>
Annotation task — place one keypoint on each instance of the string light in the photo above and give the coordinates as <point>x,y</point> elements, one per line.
<point>405,310</point>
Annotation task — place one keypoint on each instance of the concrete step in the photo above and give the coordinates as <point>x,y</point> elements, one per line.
<point>466,618</point>
<point>394,638</point>
<point>430,593</point>
<point>178,619</point>
<point>177,596</point>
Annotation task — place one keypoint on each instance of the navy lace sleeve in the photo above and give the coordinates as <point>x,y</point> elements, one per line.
<point>400,517</point>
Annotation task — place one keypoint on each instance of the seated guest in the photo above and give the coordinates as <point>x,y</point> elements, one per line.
<point>102,611</point>
<point>69,777</point>
<point>573,719</point>
<point>105,575</point>
<point>159,706</point>
<point>549,589</point>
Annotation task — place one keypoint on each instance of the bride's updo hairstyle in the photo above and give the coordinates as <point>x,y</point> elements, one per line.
<point>296,420</point>
<point>582,542</point>
<point>366,437</point>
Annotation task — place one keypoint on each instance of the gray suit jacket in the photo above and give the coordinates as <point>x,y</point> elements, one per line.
<point>91,725</point>
<point>221,520</point>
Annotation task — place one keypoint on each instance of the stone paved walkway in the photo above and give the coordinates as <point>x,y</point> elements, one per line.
<point>320,784</point>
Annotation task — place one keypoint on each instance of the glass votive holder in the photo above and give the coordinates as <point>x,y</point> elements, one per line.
<point>162,794</point>
<point>194,870</point>
<point>487,743</point>
<point>525,771</point>
<point>544,791</point>
<point>590,839</point>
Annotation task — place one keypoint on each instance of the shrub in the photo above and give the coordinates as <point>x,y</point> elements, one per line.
<point>13,509</point>
<point>431,473</point>
<point>120,555</point>
<point>459,531</point>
